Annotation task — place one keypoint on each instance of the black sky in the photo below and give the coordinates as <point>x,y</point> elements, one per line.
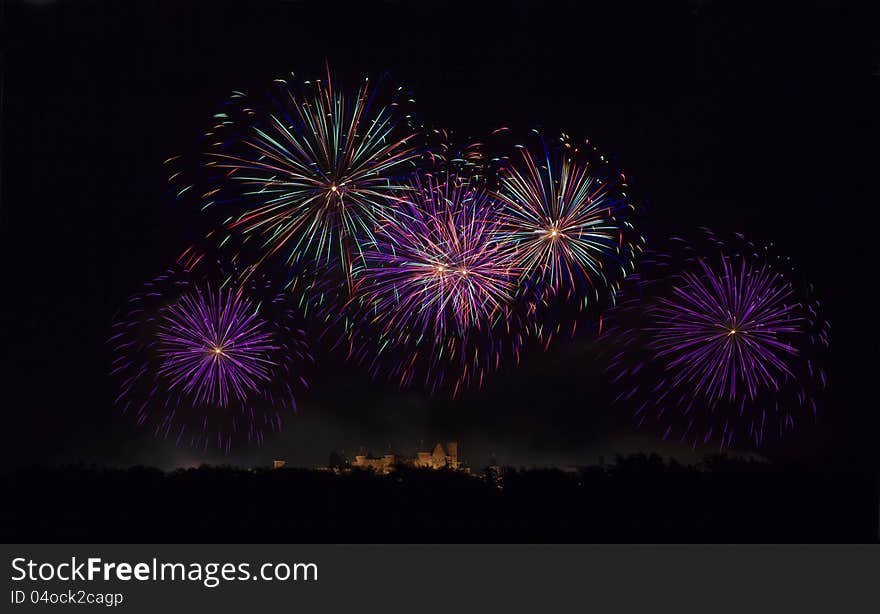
<point>737,116</point>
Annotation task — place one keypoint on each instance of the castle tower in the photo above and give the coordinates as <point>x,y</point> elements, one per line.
<point>438,456</point>
<point>452,454</point>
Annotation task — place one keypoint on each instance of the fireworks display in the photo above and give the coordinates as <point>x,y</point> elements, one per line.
<point>205,366</point>
<point>718,340</point>
<point>435,285</point>
<point>432,259</point>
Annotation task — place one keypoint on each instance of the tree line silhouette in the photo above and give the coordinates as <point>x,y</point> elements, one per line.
<point>635,499</point>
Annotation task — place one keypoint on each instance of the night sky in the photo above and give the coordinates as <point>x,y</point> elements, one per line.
<point>728,115</point>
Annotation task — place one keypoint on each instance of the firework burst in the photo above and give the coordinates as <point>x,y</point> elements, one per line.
<point>727,328</point>
<point>207,365</point>
<point>435,288</point>
<point>215,346</point>
<point>302,178</point>
<point>718,340</point>
<point>566,220</point>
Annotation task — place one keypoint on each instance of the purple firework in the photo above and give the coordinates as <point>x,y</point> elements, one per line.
<point>717,339</point>
<point>435,266</point>
<point>725,329</point>
<point>205,367</point>
<point>435,287</point>
<point>214,345</point>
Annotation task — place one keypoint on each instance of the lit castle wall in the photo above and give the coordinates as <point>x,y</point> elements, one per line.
<point>441,457</point>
